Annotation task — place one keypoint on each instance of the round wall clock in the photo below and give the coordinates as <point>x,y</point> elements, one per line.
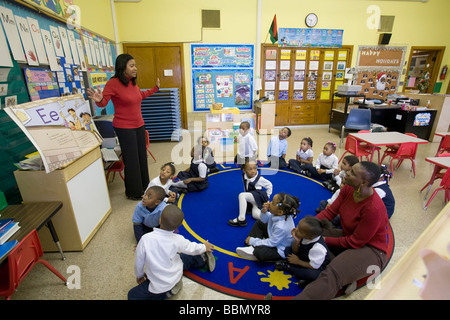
<point>311,20</point>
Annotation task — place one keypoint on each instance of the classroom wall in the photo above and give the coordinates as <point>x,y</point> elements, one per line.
<point>96,16</point>
<point>416,23</point>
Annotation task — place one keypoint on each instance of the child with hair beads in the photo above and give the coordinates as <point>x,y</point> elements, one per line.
<point>326,163</point>
<point>162,255</point>
<point>276,151</point>
<point>147,212</point>
<point>194,178</point>
<point>303,156</point>
<point>346,165</point>
<point>384,191</point>
<point>308,255</point>
<point>208,154</point>
<point>247,146</point>
<point>164,180</point>
<point>257,191</point>
<point>270,236</point>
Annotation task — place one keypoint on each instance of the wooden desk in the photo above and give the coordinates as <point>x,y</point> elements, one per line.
<point>386,139</point>
<point>398,284</point>
<point>32,215</point>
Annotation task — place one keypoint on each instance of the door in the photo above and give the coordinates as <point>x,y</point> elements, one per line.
<point>163,61</point>
<point>423,68</point>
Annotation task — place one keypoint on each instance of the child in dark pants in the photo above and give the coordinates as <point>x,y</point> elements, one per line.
<point>195,178</point>
<point>326,163</point>
<point>309,254</point>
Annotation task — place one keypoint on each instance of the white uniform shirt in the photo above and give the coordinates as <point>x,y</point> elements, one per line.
<point>247,146</point>
<point>317,253</point>
<point>157,256</point>
<point>331,162</point>
<point>262,183</point>
<point>157,182</point>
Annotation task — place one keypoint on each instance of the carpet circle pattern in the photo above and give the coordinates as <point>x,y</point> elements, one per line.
<point>206,214</point>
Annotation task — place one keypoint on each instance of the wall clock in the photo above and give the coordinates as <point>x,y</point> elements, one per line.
<point>311,20</point>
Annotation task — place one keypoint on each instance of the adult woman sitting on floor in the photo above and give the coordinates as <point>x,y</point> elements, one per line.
<point>361,245</point>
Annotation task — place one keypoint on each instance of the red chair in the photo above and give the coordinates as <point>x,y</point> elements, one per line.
<point>406,150</point>
<point>368,147</point>
<point>148,144</point>
<point>117,166</point>
<point>352,146</point>
<point>396,146</point>
<point>444,185</point>
<point>21,260</point>
<point>444,146</point>
<point>438,173</point>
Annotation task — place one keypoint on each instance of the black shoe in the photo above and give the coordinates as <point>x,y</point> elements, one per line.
<point>179,190</point>
<point>215,169</point>
<point>303,283</point>
<point>282,265</point>
<point>237,223</point>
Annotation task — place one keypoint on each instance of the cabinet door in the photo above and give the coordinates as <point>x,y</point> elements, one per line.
<point>302,113</point>
<point>269,71</point>
<point>282,114</point>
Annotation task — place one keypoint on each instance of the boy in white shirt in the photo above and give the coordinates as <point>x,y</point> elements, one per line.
<point>247,146</point>
<point>159,265</point>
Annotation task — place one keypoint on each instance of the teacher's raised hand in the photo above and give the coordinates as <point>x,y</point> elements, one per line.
<point>97,96</point>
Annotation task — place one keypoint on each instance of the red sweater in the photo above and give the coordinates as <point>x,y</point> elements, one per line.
<point>363,223</point>
<point>127,103</point>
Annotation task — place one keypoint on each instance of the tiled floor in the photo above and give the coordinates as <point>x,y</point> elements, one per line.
<point>105,268</point>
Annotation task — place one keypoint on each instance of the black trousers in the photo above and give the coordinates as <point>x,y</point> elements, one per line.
<point>134,154</point>
<point>263,253</point>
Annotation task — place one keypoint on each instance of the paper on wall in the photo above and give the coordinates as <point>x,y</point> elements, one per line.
<point>66,46</point>
<point>37,40</point>
<point>9,25</point>
<point>73,47</point>
<point>27,42</point>
<point>56,38</point>
<point>5,57</point>
<point>51,55</point>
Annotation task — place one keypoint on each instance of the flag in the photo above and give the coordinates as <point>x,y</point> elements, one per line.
<point>274,30</point>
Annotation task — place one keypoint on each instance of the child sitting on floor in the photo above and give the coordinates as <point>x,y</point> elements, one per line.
<point>346,165</point>
<point>304,155</point>
<point>147,212</point>
<point>384,191</point>
<point>194,178</point>
<point>257,191</point>
<point>247,147</point>
<point>164,180</point>
<point>162,255</point>
<point>308,255</point>
<point>326,163</point>
<point>276,151</point>
<point>270,236</point>
<point>208,154</point>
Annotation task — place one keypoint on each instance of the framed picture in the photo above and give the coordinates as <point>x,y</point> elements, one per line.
<point>328,65</point>
<point>339,75</point>
<point>327,76</point>
<point>341,65</point>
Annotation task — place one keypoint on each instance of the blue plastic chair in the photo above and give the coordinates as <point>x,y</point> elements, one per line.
<point>358,119</point>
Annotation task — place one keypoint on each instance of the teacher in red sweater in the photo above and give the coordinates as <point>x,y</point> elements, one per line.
<point>128,123</point>
<point>360,247</point>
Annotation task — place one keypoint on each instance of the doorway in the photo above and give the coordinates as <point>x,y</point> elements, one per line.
<point>423,68</point>
<point>163,61</point>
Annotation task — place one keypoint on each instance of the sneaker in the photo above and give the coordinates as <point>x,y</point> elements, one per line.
<point>175,289</point>
<point>210,261</point>
<point>246,252</point>
<point>306,173</point>
<point>237,223</point>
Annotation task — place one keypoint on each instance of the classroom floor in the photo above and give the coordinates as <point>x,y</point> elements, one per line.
<point>105,267</point>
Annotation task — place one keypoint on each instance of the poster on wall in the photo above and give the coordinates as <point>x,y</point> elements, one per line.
<point>314,38</point>
<point>61,129</point>
<point>378,70</point>
<point>222,74</point>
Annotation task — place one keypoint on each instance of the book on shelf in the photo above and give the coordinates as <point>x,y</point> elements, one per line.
<point>8,231</point>
<point>7,247</point>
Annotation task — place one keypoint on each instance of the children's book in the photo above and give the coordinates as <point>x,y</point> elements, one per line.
<point>8,231</point>
<point>7,247</point>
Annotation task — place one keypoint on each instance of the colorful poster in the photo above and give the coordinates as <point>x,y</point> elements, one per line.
<point>41,83</point>
<point>223,74</point>
<point>315,38</point>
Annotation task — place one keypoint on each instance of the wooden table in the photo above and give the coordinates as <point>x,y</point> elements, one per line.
<point>375,139</point>
<point>32,215</point>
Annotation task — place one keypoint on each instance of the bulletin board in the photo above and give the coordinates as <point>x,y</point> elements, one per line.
<point>222,74</point>
<point>312,38</point>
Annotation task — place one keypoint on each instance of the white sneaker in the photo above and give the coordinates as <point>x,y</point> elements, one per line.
<point>246,252</point>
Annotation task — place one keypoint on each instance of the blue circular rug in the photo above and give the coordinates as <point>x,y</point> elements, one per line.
<point>206,214</point>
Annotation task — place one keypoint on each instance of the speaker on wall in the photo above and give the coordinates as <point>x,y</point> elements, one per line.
<point>384,38</point>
